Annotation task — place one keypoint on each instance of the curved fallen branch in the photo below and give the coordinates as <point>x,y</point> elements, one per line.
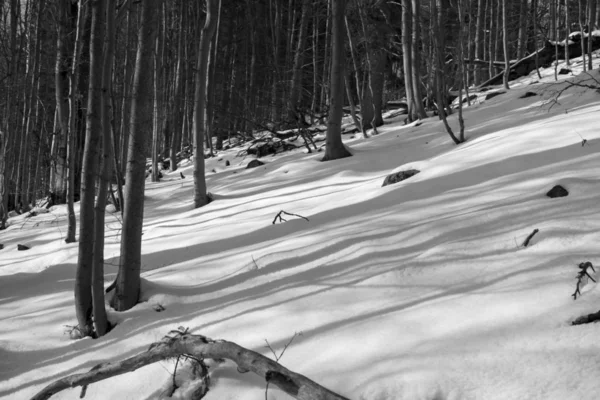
<point>296,385</point>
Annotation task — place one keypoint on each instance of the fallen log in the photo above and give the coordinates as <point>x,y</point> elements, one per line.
<point>545,56</point>
<point>198,346</point>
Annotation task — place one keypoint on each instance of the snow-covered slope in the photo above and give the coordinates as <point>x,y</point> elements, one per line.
<point>418,290</point>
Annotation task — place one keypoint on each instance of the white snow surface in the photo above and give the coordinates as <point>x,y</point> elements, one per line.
<point>418,290</point>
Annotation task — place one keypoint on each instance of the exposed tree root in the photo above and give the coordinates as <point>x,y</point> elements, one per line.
<point>296,385</point>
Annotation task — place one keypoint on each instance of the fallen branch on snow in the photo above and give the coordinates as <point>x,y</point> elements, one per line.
<point>531,235</point>
<point>582,276</point>
<point>586,319</point>
<point>281,219</point>
<point>201,347</point>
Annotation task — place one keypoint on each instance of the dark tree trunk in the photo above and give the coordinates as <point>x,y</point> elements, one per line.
<point>335,149</point>
<point>128,279</point>
<point>84,274</point>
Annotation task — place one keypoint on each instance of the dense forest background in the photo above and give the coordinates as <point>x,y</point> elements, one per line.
<point>92,89</point>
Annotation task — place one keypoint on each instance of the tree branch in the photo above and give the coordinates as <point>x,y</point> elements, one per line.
<point>296,385</point>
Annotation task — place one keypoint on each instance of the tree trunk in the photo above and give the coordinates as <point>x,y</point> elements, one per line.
<point>416,60</point>
<point>58,191</point>
<point>567,32</point>
<point>210,25</point>
<point>406,57</point>
<point>335,149</point>
<point>591,25</point>
<point>178,92</point>
<point>84,277</point>
<point>296,88</point>
<point>505,45</point>
<point>522,38</point>
<point>128,279</point>
<point>438,35</point>
<point>73,106</point>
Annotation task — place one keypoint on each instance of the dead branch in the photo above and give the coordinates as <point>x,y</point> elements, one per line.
<point>531,235</point>
<point>569,84</point>
<point>281,219</point>
<point>198,346</point>
<point>582,276</point>
<point>586,319</point>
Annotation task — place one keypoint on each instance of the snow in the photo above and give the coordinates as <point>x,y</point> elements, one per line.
<point>417,290</point>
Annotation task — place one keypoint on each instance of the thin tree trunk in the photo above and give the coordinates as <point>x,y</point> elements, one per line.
<point>416,61</point>
<point>210,25</point>
<point>505,45</point>
<point>522,37</point>
<point>100,320</point>
<point>567,33</point>
<point>84,278</point>
<point>128,278</point>
<point>58,191</point>
<point>461,67</point>
<point>335,149</point>
<point>296,88</point>
<point>326,63</point>
<point>406,57</point>
<point>73,102</point>
<point>178,92</point>
<point>438,36</point>
<point>591,25</point>
<point>479,40</point>
<point>580,15</point>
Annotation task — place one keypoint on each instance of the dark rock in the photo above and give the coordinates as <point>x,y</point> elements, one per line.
<point>557,191</point>
<point>181,174</point>
<point>22,247</point>
<point>399,176</point>
<point>564,71</point>
<point>1,246</point>
<point>227,163</point>
<point>254,164</point>
<point>493,94</point>
<point>528,94</point>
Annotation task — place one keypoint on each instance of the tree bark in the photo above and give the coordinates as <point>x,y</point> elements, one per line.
<point>335,149</point>
<point>128,278</point>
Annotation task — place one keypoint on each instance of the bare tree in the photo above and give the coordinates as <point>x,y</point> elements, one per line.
<point>84,307</point>
<point>127,287</point>
<point>210,25</point>
<point>335,148</point>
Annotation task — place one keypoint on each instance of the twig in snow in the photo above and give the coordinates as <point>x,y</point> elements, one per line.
<point>581,275</point>
<point>281,219</point>
<point>277,358</point>
<point>531,235</point>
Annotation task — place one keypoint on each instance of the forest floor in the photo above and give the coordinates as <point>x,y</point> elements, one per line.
<point>418,290</point>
